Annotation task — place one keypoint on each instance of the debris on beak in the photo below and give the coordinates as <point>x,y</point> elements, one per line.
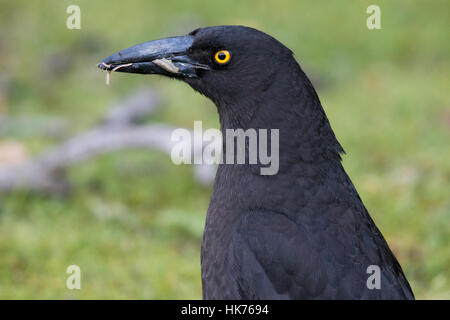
<point>109,70</point>
<point>163,63</point>
<point>166,65</point>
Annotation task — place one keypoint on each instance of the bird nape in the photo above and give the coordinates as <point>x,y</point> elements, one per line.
<point>302,233</point>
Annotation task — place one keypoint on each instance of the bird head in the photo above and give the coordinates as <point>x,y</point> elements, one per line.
<point>225,63</point>
<point>252,78</point>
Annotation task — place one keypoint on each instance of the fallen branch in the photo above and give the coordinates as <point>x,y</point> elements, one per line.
<point>26,126</point>
<point>132,109</point>
<point>47,171</point>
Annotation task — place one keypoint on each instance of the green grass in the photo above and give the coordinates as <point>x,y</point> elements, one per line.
<point>134,221</point>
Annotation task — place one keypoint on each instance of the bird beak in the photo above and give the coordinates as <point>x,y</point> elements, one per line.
<point>164,56</point>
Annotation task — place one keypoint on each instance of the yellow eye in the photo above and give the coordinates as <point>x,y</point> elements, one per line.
<point>222,56</point>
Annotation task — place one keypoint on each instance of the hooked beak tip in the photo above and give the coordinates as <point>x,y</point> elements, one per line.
<point>103,66</point>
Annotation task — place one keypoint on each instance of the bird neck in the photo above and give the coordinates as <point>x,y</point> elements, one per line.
<point>290,104</point>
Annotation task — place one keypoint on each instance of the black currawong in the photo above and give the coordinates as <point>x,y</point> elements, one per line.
<point>302,233</point>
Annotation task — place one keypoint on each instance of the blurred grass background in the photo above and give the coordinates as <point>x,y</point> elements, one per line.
<point>134,221</point>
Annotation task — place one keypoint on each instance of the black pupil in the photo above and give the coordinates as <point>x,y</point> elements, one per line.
<point>222,56</point>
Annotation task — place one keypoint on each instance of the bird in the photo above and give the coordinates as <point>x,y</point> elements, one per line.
<point>302,233</point>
